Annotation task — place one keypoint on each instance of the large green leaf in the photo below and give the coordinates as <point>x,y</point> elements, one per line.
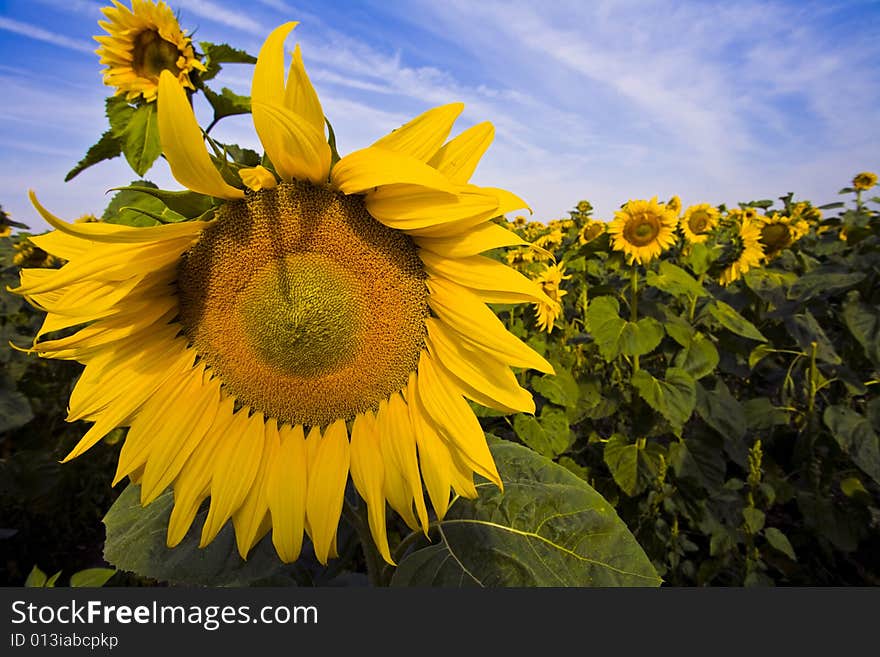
<point>733,321</point>
<point>614,335</point>
<point>674,396</point>
<point>805,330</point>
<point>699,459</point>
<point>227,103</point>
<point>855,435</point>
<point>560,388</point>
<point>723,412</point>
<point>548,528</point>
<point>220,53</point>
<point>548,434</point>
<point>633,465</point>
<point>821,282</point>
<point>15,409</point>
<point>863,321</point>
<point>187,204</point>
<point>136,542</point>
<point>106,148</point>
<point>699,358</point>
<point>675,280</point>
<point>140,139</point>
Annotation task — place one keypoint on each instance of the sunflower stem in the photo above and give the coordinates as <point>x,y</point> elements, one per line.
<point>634,306</point>
<point>357,516</point>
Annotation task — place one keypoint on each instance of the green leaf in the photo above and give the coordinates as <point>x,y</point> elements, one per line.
<point>633,465</point>
<point>119,113</point>
<point>548,435</point>
<point>674,397</point>
<point>761,414</point>
<point>136,542</point>
<point>733,321</point>
<point>227,103</point>
<point>140,139</point>
<point>699,459</point>
<point>615,336</point>
<point>125,205</point>
<point>759,353</point>
<point>560,388</point>
<point>754,519</point>
<point>185,203</point>
<point>806,330</point>
<point>723,412</point>
<point>856,437</point>
<point>863,323</point>
<point>779,541</point>
<point>15,409</point>
<point>36,578</point>
<point>548,528</point>
<point>91,577</point>
<point>699,258</point>
<point>679,329</point>
<point>699,358</point>
<point>217,54</point>
<point>675,281</point>
<point>107,147</point>
<point>820,282</point>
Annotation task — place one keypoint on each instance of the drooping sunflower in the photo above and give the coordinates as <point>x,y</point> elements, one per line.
<point>864,181</point>
<point>550,279</point>
<point>698,222</point>
<point>327,321</point>
<point>749,254</point>
<point>590,231</point>
<point>643,229</point>
<point>674,204</point>
<point>144,41</point>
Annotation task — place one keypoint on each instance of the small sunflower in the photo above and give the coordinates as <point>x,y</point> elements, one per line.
<point>674,204</point>
<point>749,252</point>
<point>591,231</point>
<point>778,232</point>
<point>28,255</point>
<point>550,280</point>
<point>864,181</point>
<point>698,222</point>
<point>327,321</point>
<point>144,41</point>
<point>643,229</point>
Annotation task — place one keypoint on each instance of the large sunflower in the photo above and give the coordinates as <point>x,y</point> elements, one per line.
<point>332,322</point>
<point>643,229</point>
<point>144,41</point>
<point>698,222</point>
<point>749,252</point>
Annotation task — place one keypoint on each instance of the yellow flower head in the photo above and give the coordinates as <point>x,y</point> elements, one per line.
<point>674,205</point>
<point>86,219</point>
<point>28,255</point>
<point>698,222</point>
<point>519,221</point>
<point>864,180</point>
<point>142,42</point>
<point>778,232</point>
<point>590,231</point>
<point>331,323</point>
<point>750,252</point>
<point>549,310</point>
<point>643,229</point>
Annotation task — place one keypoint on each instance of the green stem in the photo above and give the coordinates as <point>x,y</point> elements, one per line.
<point>357,516</point>
<point>634,306</point>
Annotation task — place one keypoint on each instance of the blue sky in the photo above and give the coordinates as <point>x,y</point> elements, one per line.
<point>717,102</point>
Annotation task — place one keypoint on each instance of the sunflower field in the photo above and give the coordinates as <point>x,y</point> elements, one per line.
<point>309,368</point>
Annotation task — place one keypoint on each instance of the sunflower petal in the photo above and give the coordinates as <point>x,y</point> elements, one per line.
<point>362,170</point>
<point>492,281</point>
<point>436,464</point>
<point>297,150</point>
<point>327,478</point>
<point>476,240</point>
<point>368,475</point>
<point>401,443</point>
<point>286,490</point>
<point>257,178</point>
<point>267,84</point>
<point>458,159</point>
<point>422,137</point>
<point>300,96</point>
<point>183,144</point>
<point>249,519</point>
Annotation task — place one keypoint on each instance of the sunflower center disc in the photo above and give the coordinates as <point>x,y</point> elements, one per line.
<point>775,235</point>
<point>306,307</point>
<point>698,223</point>
<point>152,54</point>
<point>642,230</point>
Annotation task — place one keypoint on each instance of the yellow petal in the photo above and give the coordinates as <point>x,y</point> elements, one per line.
<point>286,490</point>
<point>504,202</point>
<point>458,159</point>
<point>481,378</point>
<point>490,280</point>
<point>368,475</point>
<point>294,147</point>
<point>235,468</point>
<point>267,85</point>
<point>464,312</point>
<point>250,518</point>
<point>257,178</point>
<point>183,144</point>
<point>367,168</point>
<point>300,96</point>
<point>399,439</point>
<point>483,237</point>
<point>454,420</point>
<point>326,491</point>
<point>436,465</point>
<point>396,488</point>
<point>422,137</point>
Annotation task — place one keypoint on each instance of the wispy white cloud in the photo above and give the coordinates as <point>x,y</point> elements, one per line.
<point>40,34</point>
<point>219,13</point>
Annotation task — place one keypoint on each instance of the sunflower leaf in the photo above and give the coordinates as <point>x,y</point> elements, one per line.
<point>140,139</point>
<point>733,321</point>
<point>227,103</point>
<point>106,148</point>
<point>615,336</point>
<point>548,528</point>
<point>676,281</point>
<point>673,397</point>
<point>221,53</point>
